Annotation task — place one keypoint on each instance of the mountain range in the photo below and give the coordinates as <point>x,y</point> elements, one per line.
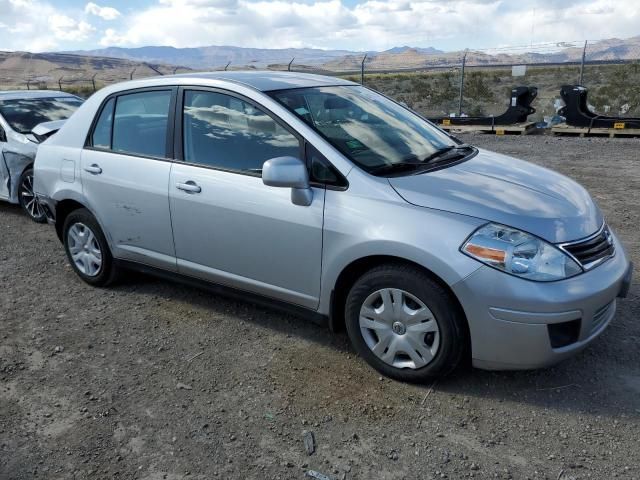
<point>215,56</point>
<point>212,57</point>
<point>113,64</point>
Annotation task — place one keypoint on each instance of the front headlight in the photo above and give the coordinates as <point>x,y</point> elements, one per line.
<point>519,253</point>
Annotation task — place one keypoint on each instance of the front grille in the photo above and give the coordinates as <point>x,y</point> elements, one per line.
<point>593,250</point>
<point>600,317</point>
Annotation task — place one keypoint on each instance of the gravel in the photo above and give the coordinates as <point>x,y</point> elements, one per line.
<point>155,380</point>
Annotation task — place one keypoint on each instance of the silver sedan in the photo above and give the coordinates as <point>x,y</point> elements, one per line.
<point>326,198</point>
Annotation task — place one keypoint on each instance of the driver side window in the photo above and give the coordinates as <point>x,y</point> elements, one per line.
<point>226,132</point>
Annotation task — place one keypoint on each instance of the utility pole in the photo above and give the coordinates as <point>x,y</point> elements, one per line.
<point>584,54</point>
<point>362,69</point>
<point>464,61</point>
<point>289,66</point>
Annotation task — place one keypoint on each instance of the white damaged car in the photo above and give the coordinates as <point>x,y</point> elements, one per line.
<point>26,119</point>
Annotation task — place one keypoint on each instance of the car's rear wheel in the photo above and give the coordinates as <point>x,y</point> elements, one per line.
<point>404,323</point>
<point>27,197</point>
<point>87,248</point>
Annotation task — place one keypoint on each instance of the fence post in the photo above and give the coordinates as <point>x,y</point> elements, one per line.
<point>464,61</point>
<point>28,86</point>
<point>132,72</point>
<point>60,82</point>
<point>362,69</point>
<point>289,66</point>
<point>93,82</point>
<point>227,65</point>
<point>584,53</point>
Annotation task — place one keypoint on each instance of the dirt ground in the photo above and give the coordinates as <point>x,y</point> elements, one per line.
<point>154,380</point>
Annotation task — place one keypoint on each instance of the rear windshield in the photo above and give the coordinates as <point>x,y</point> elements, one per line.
<point>24,114</point>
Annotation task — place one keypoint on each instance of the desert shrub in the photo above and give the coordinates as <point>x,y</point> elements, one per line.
<point>435,93</point>
<point>444,89</point>
<point>476,110</point>
<point>84,91</point>
<point>476,87</point>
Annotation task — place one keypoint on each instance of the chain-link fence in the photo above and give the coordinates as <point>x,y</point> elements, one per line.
<point>476,82</point>
<point>479,82</point>
<point>614,86</point>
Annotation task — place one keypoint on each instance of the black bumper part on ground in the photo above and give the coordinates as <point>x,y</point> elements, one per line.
<point>577,113</point>
<point>517,112</point>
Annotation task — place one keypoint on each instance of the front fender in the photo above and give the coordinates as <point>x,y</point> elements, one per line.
<point>15,163</point>
<point>368,227</point>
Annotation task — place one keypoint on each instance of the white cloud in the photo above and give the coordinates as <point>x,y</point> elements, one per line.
<point>372,24</point>
<point>111,38</point>
<point>367,25</point>
<point>66,28</point>
<point>593,19</point>
<point>34,25</point>
<point>106,13</point>
<point>278,23</point>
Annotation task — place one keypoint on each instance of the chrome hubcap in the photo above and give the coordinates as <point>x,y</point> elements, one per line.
<point>399,328</point>
<point>84,249</point>
<point>29,201</point>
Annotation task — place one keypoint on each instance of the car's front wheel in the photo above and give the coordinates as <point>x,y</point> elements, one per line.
<point>27,197</point>
<point>87,248</point>
<point>404,323</point>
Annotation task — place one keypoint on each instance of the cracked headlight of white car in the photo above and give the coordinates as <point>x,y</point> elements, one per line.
<point>519,253</point>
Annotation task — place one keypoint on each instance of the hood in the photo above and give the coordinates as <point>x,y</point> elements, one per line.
<point>21,144</point>
<point>44,130</point>
<point>505,190</point>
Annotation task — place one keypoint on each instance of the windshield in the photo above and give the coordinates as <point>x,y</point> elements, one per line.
<point>368,128</point>
<point>24,114</point>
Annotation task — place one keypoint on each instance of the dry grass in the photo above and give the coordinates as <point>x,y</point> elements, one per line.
<point>611,87</point>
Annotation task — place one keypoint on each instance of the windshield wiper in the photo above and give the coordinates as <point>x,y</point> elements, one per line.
<point>442,151</point>
<point>399,167</point>
<point>427,163</point>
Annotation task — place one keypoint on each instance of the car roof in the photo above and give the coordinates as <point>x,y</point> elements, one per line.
<point>260,80</point>
<point>25,94</point>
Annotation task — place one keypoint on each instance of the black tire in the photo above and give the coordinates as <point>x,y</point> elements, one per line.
<point>27,199</point>
<point>107,272</point>
<point>452,336</point>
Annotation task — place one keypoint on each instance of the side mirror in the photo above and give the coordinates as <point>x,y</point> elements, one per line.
<point>289,172</point>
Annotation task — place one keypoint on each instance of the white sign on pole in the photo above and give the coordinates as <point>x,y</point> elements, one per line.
<point>518,70</point>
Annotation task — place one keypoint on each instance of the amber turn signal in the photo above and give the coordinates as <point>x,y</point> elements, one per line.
<point>490,254</point>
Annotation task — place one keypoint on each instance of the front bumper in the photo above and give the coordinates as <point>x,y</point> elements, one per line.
<point>509,317</point>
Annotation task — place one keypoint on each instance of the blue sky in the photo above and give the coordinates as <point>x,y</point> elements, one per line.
<point>48,25</point>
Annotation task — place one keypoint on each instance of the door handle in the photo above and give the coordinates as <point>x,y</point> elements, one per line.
<point>93,169</point>
<point>189,187</point>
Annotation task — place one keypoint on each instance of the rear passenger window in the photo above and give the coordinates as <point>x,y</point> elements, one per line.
<point>225,132</point>
<point>140,123</point>
<point>102,132</point>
